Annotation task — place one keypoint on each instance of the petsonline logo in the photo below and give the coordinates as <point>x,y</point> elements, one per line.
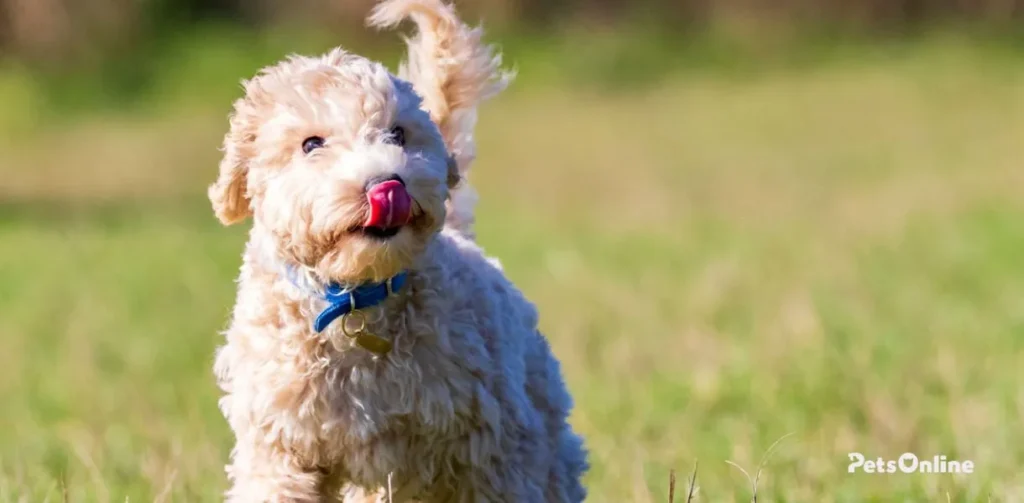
<point>908,463</point>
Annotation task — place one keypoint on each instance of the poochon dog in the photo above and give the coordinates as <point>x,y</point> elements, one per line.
<point>374,351</point>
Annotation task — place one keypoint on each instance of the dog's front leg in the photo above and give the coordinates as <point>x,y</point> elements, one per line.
<point>268,475</point>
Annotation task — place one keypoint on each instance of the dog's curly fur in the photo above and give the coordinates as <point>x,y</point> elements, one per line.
<point>470,404</point>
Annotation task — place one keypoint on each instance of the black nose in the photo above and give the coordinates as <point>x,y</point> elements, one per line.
<point>383,178</point>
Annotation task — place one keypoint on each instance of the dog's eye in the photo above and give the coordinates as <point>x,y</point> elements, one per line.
<point>396,136</point>
<point>312,143</point>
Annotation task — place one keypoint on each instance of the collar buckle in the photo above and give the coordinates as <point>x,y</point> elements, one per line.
<point>347,302</point>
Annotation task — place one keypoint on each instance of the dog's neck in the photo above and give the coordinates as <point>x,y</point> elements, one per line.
<point>266,258</point>
<point>344,298</point>
<point>330,302</point>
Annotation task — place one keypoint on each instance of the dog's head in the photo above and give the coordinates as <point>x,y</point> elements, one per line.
<point>338,165</point>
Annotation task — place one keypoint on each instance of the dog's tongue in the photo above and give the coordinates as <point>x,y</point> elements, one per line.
<point>390,205</point>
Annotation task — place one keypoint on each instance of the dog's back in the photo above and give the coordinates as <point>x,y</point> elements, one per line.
<point>454,72</point>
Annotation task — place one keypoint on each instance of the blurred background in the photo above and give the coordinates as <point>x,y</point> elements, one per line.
<point>740,220</point>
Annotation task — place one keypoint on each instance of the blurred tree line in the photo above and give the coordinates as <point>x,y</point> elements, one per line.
<point>66,55</point>
<point>81,30</point>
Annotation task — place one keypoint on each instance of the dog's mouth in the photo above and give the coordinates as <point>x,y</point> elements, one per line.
<point>390,207</point>
<point>379,232</point>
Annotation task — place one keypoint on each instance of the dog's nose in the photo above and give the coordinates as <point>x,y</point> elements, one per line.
<point>390,204</point>
<point>377,180</point>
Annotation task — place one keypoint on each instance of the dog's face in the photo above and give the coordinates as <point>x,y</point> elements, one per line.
<point>338,165</point>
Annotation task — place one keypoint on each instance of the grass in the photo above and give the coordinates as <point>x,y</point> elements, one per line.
<point>830,253</point>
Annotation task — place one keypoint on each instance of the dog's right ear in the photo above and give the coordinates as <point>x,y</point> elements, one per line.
<point>228,194</point>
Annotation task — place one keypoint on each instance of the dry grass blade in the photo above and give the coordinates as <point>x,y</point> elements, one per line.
<point>745,474</point>
<point>765,458</point>
<point>390,490</point>
<point>692,491</point>
<point>760,466</point>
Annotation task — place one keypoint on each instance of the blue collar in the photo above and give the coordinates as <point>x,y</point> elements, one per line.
<point>344,300</point>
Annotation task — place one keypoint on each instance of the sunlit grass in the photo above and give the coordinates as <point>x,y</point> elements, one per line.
<point>719,262</point>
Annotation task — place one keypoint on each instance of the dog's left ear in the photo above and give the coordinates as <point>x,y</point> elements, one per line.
<point>449,65</point>
<point>228,193</point>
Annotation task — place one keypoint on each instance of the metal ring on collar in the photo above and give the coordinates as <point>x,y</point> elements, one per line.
<point>362,323</point>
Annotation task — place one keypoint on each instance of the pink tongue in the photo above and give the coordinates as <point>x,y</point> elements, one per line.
<point>390,205</point>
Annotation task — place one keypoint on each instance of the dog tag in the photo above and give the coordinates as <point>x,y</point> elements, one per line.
<point>373,343</point>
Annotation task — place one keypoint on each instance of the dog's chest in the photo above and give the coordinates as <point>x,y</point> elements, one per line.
<point>424,391</point>
<point>405,412</point>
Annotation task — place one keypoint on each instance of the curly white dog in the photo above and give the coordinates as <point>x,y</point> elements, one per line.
<point>372,342</point>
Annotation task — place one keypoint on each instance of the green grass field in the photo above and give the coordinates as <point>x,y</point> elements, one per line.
<point>830,252</point>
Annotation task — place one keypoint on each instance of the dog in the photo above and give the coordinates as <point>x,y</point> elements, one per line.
<point>374,353</point>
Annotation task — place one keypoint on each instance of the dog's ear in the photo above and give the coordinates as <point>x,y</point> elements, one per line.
<point>228,193</point>
<point>450,67</point>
